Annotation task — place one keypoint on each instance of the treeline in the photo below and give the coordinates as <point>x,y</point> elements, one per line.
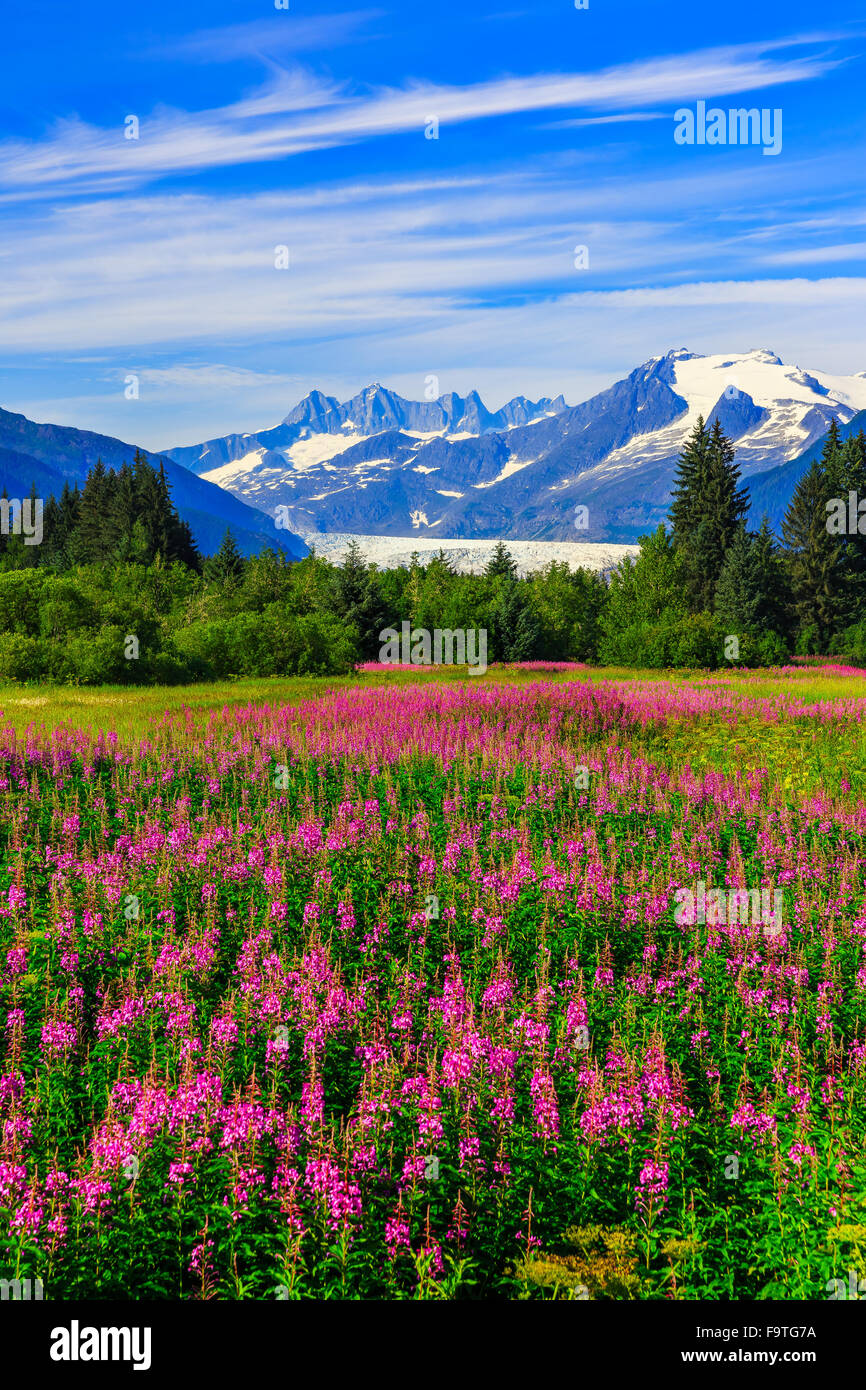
<point>117,592</point>
<point>268,616</point>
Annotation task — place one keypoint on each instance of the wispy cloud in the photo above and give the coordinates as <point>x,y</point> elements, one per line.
<point>365,257</point>
<point>818,255</point>
<point>298,112</point>
<point>617,119</point>
<point>207,377</point>
<point>268,38</point>
<point>470,276</point>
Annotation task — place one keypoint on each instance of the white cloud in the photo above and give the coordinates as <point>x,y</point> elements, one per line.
<point>617,119</point>
<point>209,377</point>
<point>265,38</point>
<point>817,255</point>
<point>298,113</point>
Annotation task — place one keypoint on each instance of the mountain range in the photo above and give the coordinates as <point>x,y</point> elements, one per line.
<point>52,455</point>
<point>379,464</point>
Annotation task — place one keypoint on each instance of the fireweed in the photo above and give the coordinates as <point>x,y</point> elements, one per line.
<point>242,1056</point>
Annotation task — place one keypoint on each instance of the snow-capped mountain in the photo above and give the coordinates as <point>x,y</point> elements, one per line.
<point>382,465</point>
<point>372,412</point>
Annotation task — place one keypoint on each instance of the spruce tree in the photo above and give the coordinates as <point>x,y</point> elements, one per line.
<point>153,506</point>
<point>52,555</point>
<point>501,563</point>
<point>358,602</point>
<point>183,549</point>
<point>738,595</point>
<point>845,467</point>
<point>815,559</point>
<point>226,567</point>
<point>516,632</point>
<point>67,526</point>
<point>775,606</point>
<point>88,540</point>
<point>685,493</point>
<point>707,506</point>
<point>125,512</point>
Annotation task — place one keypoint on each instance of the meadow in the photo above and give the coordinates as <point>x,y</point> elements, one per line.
<point>378,986</point>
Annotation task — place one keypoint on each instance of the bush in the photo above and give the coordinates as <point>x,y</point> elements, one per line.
<point>850,644</point>
<point>22,658</point>
<point>21,593</point>
<point>696,641</point>
<point>764,649</point>
<point>275,642</point>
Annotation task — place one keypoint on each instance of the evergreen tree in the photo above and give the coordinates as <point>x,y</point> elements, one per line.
<point>88,540</point>
<point>353,579</point>
<point>738,594</point>
<point>226,567</point>
<point>358,602</point>
<point>51,556</point>
<point>775,601</point>
<point>414,590</point>
<point>516,632</point>
<point>125,512</point>
<point>61,529</point>
<point>184,550</point>
<point>815,559</point>
<point>844,465</point>
<point>707,506</point>
<point>154,507</point>
<point>500,563</point>
<point>685,493</point>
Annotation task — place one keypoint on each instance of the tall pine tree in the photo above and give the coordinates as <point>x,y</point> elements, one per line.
<point>707,507</point>
<point>501,563</point>
<point>815,561</point>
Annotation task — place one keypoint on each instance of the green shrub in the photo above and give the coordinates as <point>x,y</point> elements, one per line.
<point>22,658</point>
<point>21,594</point>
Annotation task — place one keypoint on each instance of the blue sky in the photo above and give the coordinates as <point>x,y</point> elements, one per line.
<point>409,256</point>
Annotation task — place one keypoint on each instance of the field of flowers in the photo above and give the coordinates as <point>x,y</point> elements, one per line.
<point>383,993</point>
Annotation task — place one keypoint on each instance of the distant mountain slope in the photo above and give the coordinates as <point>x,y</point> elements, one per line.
<point>53,454</point>
<point>18,473</point>
<point>771,492</point>
<point>382,465</point>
